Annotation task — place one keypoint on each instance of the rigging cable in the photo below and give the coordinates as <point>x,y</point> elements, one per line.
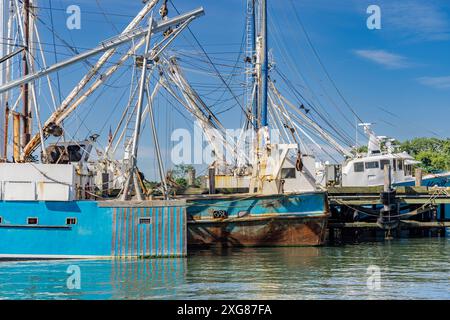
<point>54,49</point>
<point>321,63</point>
<point>341,135</point>
<point>313,75</point>
<point>215,68</point>
<point>322,113</point>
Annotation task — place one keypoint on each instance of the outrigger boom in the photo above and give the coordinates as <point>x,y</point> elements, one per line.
<point>104,46</point>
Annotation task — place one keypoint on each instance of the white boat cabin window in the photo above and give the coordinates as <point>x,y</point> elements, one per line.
<point>288,173</point>
<point>383,163</point>
<point>358,166</point>
<point>372,165</point>
<point>394,165</point>
<point>400,164</point>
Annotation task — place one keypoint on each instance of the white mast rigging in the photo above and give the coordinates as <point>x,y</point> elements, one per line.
<point>109,46</point>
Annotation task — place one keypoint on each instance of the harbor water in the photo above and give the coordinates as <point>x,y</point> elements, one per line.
<point>399,269</point>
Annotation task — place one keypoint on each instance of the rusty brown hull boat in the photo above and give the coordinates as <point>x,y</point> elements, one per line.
<point>276,231</point>
<point>280,220</point>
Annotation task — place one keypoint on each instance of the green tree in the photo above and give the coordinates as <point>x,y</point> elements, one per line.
<point>181,182</point>
<point>360,149</point>
<point>433,153</point>
<point>179,173</point>
<point>181,170</point>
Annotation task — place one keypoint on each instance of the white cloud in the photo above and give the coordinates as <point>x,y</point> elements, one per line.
<point>384,58</point>
<point>436,82</point>
<point>417,20</point>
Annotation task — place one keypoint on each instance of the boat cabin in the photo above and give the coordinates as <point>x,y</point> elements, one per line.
<point>69,152</point>
<point>369,171</point>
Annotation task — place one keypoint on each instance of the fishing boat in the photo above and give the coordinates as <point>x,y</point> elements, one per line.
<point>271,220</point>
<point>68,203</point>
<point>367,169</point>
<point>274,200</point>
<point>67,198</point>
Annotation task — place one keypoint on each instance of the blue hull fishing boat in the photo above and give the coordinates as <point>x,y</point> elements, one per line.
<point>68,204</point>
<point>92,229</point>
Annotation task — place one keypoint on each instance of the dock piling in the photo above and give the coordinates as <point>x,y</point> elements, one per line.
<point>418,176</point>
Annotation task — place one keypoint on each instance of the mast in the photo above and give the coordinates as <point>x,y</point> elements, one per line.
<point>31,146</point>
<point>26,129</point>
<point>4,18</point>
<point>250,72</point>
<point>132,173</point>
<point>260,116</point>
<point>264,63</point>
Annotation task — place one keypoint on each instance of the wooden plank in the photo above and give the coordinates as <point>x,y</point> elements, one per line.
<point>353,225</point>
<point>403,224</point>
<point>377,190</point>
<point>354,190</point>
<point>356,202</point>
<point>369,200</point>
<point>420,224</point>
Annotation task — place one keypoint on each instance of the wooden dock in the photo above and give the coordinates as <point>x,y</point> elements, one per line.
<point>371,195</point>
<point>404,224</point>
<point>355,213</point>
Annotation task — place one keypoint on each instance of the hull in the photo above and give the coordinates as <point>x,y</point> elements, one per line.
<point>280,220</point>
<point>91,229</point>
<point>440,180</point>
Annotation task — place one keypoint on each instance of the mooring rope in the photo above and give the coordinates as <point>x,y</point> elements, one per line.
<point>431,200</point>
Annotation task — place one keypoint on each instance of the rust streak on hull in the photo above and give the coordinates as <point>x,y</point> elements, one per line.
<point>267,231</point>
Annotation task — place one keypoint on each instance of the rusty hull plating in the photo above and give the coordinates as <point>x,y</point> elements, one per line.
<point>279,220</point>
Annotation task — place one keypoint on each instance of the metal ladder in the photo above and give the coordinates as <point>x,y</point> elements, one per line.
<point>130,123</point>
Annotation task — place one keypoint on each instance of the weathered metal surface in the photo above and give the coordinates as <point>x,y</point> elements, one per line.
<point>152,231</point>
<point>98,230</point>
<point>279,220</point>
<point>140,204</point>
<point>269,231</point>
<point>33,181</point>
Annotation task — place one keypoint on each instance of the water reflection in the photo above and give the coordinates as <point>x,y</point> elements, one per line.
<point>100,279</point>
<point>417,268</point>
<point>147,279</point>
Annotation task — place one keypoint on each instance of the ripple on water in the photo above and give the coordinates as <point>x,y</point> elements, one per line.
<point>409,269</point>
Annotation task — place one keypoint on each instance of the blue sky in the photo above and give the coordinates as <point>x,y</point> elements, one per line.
<point>397,77</point>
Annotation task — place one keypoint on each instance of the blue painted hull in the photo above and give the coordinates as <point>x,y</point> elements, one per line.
<point>440,181</point>
<point>99,230</point>
<point>278,220</point>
